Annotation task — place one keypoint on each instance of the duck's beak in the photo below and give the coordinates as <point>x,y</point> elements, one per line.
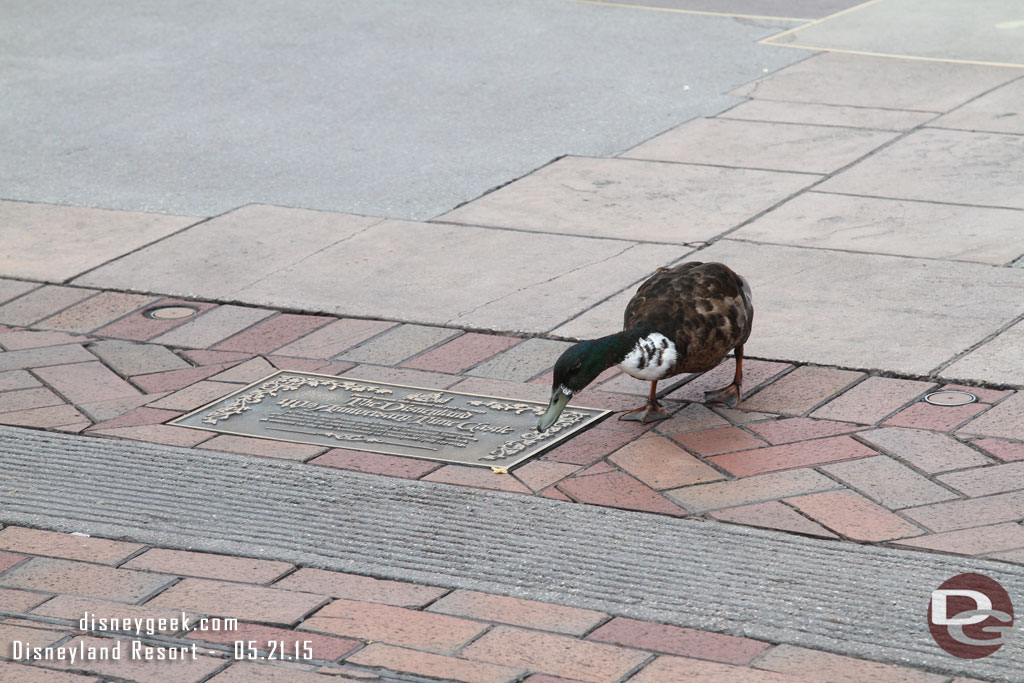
<point>559,398</point>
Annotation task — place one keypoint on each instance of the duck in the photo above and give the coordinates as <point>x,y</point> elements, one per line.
<point>683,319</point>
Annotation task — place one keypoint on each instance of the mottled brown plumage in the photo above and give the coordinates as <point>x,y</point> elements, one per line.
<point>704,308</point>
<point>682,319</point>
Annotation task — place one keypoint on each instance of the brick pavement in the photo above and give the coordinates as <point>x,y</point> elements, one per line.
<point>812,450</point>
<point>260,620</point>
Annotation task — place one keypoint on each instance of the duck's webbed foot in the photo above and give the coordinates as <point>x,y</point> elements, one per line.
<point>726,396</point>
<point>651,412</point>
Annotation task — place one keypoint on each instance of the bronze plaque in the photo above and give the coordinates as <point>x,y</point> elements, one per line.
<point>433,424</point>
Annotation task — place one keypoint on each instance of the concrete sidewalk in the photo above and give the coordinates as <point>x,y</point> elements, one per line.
<point>873,201</point>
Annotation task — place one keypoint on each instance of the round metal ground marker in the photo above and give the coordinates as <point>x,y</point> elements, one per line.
<point>171,312</point>
<point>950,397</point>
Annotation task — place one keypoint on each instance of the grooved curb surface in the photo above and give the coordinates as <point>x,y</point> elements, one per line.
<point>852,599</point>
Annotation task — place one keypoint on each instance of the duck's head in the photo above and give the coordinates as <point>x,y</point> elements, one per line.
<point>577,367</point>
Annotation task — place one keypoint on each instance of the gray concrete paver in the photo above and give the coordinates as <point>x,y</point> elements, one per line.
<point>943,166</point>
<point>891,226</point>
<point>866,81</point>
<point>827,115</point>
<point>757,144</point>
<point>1000,111</point>
<point>630,199</point>
<point>221,256</point>
<point>999,360</point>
<point>460,275</point>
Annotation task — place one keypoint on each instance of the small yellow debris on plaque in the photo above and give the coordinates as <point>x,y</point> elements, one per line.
<point>499,470</point>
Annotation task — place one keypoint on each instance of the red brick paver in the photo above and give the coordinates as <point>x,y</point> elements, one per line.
<point>207,565</point>
<point>758,488</point>
<point>462,353</point>
<point>872,400</point>
<point>26,399</point>
<point>215,325</point>
<point>964,514</point>
<point>1001,448</point>
<point>321,646</point>
<point>973,541</point>
<point>138,417</point>
<point>755,373</point>
<point>590,446</point>
<point>132,358</point>
<point>476,477</point>
<point>800,390</point>
<point>923,415</point>
<point>158,433</point>
<point>20,601</point>
<point>928,451</point>
<point>137,667</point>
<point>50,575</point>
<point>518,612</point>
<point>242,601</point>
<point>539,474</point>
<point>772,515</point>
<point>8,560</point>
<point>676,640</point>
<point>984,481</point>
<point>819,665</point>
<point>661,464</point>
<point>669,668</point>
<point>52,416</point>
<point>376,463</point>
<point>853,516</point>
<point>554,654</point>
<point>264,447</point>
<point>100,310</point>
<point>85,382</point>
<point>41,303</point>
<point>719,440</point>
<point>889,482</point>
<point>73,608</point>
<point>361,588</point>
<point>1005,420</point>
<point>248,371</point>
<point>618,490</point>
<point>792,429</point>
<point>984,395</point>
<point>67,546</point>
<point>172,380</point>
<point>139,327</point>
<point>437,633</point>
<point>194,396</point>
<point>17,379</point>
<point>789,456</point>
<point>335,338</point>
<point>30,339</point>
<point>272,672</point>
<point>433,665</point>
<point>44,356</point>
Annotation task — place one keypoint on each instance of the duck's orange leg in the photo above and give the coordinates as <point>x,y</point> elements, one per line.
<point>729,395</point>
<point>651,412</point>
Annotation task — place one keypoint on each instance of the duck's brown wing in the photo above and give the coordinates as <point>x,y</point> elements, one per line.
<point>705,308</point>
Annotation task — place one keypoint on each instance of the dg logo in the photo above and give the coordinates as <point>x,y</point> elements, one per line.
<point>970,616</point>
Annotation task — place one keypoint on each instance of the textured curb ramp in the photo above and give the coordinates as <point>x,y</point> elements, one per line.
<point>859,600</point>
